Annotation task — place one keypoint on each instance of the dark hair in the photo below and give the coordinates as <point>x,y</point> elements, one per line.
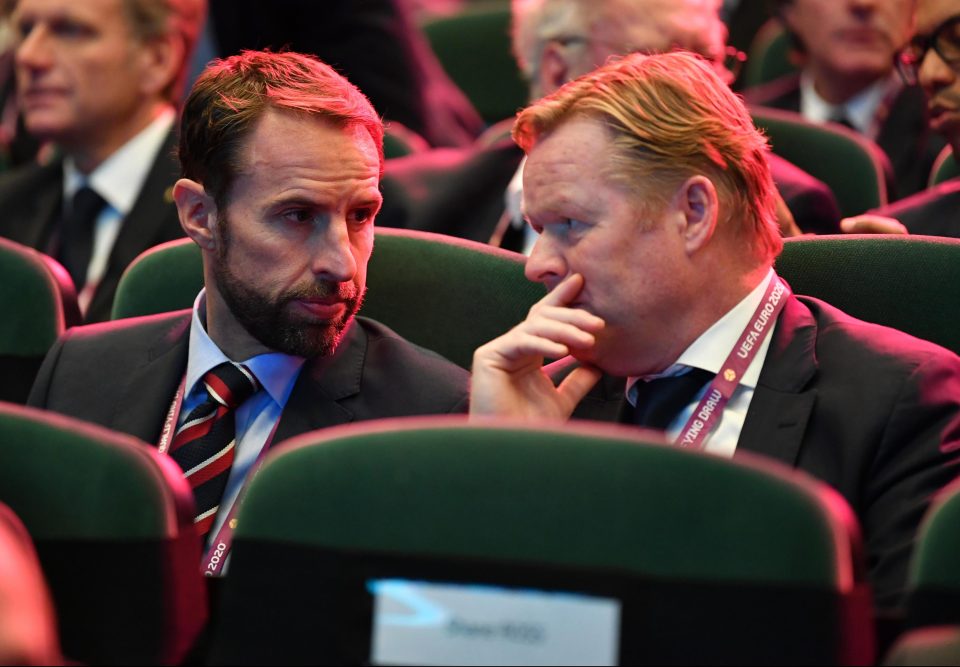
<point>232,94</point>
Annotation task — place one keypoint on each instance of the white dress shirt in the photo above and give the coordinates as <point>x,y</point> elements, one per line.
<point>118,179</point>
<point>861,110</point>
<point>708,352</point>
<point>256,418</point>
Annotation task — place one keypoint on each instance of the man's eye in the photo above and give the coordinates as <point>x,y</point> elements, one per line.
<point>361,216</point>
<point>70,29</point>
<point>298,215</point>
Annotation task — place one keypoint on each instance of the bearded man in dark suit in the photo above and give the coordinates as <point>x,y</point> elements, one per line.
<point>281,161</point>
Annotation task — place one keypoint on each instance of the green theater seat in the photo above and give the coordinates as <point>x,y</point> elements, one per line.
<point>38,302</point>
<point>710,560</point>
<point>905,282</point>
<point>112,521</point>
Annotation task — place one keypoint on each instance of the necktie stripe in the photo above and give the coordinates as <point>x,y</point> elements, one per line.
<point>219,392</point>
<point>205,445</point>
<point>212,467</point>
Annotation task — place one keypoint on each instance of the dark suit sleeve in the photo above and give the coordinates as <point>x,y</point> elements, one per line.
<point>919,454</point>
<point>41,385</point>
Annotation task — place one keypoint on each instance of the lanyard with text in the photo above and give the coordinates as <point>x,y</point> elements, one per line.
<point>220,546</point>
<point>707,414</point>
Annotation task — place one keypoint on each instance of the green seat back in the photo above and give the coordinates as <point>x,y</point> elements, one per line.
<point>852,166</point>
<point>898,281</point>
<point>769,55</point>
<point>439,492</point>
<point>448,295</point>
<point>474,48</point>
<point>399,140</point>
<point>112,520</point>
<point>34,316</point>
<point>944,167</point>
<point>934,581</point>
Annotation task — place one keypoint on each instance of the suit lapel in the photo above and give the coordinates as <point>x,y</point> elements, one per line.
<point>317,397</point>
<point>143,226</point>
<point>783,400</point>
<point>32,219</point>
<point>150,388</point>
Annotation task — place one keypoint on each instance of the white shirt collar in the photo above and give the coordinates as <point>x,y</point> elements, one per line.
<point>713,346</point>
<point>860,110</point>
<point>120,177</point>
<point>275,371</point>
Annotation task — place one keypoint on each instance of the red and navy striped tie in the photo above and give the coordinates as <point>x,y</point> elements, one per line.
<point>205,445</point>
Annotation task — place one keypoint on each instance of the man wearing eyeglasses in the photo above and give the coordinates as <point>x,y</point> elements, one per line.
<point>932,60</point>
<point>476,193</point>
<point>846,49</point>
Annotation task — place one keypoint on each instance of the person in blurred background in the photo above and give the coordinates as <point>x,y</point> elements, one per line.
<point>475,193</point>
<point>100,79</point>
<point>845,49</point>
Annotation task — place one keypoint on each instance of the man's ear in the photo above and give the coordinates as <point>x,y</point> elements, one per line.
<point>198,213</point>
<point>161,59</point>
<point>697,203</point>
<point>554,68</point>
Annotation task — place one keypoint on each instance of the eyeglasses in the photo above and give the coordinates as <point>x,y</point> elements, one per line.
<point>945,40</point>
<point>733,58</point>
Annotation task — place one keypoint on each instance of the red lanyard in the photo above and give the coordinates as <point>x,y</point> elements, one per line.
<point>213,560</point>
<point>707,414</point>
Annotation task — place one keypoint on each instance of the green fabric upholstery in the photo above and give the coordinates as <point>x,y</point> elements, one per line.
<point>944,167</point>
<point>112,520</point>
<point>474,48</point>
<point>448,295</point>
<point>853,167</point>
<point>164,278</point>
<point>769,55</point>
<point>399,140</point>
<point>934,581</point>
<point>578,498</point>
<point>377,489</point>
<point>34,303</point>
<point>905,282</point>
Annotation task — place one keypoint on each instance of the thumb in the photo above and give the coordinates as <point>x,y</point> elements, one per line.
<point>576,385</point>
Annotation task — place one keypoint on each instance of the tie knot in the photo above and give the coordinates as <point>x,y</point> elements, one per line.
<point>659,401</point>
<point>86,203</point>
<point>230,384</point>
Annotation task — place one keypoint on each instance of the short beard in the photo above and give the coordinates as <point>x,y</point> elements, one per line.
<point>270,321</point>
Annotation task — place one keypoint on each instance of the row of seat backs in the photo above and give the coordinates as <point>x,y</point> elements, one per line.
<point>452,295</point>
<point>761,564</point>
<point>112,521</point>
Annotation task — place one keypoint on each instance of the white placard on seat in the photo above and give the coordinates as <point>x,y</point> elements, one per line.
<point>420,623</point>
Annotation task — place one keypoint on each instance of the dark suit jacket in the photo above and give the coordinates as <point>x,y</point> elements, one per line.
<point>904,135</point>
<point>460,192</point>
<point>31,199</point>
<point>124,374</point>
<point>935,212</point>
<point>869,410</point>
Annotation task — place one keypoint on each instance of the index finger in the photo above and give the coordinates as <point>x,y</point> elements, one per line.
<point>565,291</point>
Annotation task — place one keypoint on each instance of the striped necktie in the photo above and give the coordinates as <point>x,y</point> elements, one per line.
<point>205,445</point>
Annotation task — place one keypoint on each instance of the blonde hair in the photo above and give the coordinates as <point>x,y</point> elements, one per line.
<point>671,117</point>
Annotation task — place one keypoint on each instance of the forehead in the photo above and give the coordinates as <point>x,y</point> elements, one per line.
<point>568,163</point>
<point>931,13</point>
<point>291,145</point>
<point>99,11</point>
<point>661,24</point>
